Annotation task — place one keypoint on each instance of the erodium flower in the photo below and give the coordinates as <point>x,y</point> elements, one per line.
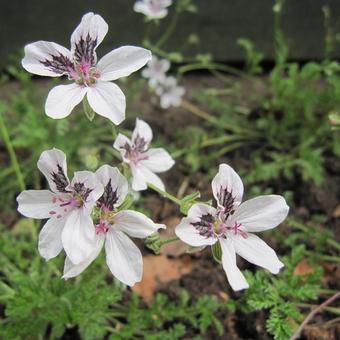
<point>123,257</point>
<point>232,224</point>
<point>80,65</point>
<point>153,9</point>
<point>170,92</point>
<point>156,71</point>
<point>68,207</point>
<point>144,163</point>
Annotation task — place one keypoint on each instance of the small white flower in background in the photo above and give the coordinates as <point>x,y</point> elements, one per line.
<point>144,163</point>
<point>68,207</point>
<point>170,92</point>
<point>90,78</point>
<point>232,224</point>
<point>156,71</point>
<point>153,9</point>
<point>123,257</point>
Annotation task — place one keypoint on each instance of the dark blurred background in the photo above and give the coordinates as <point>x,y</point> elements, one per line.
<point>218,24</point>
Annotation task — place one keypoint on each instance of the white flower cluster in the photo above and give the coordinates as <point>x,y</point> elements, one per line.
<point>89,212</point>
<point>84,215</point>
<point>166,87</point>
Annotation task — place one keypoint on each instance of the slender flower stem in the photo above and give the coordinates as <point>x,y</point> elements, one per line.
<point>169,240</point>
<point>310,316</point>
<point>208,117</point>
<point>11,152</point>
<point>164,194</point>
<point>167,34</point>
<point>211,67</point>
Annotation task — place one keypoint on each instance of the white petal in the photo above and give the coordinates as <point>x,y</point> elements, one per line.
<point>142,130</point>
<point>108,100</point>
<point>50,244</point>
<point>261,213</point>
<point>159,160</point>
<point>62,99</point>
<point>135,224</point>
<point>90,181</point>
<point>227,181</point>
<point>256,251</point>
<point>142,176</point>
<point>190,235</point>
<point>72,270</point>
<point>199,209</point>
<point>235,277</point>
<point>118,184</point>
<point>120,143</point>
<point>123,258</point>
<point>122,61</point>
<point>78,236</point>
<point>36,203</point>
<point>42,52</point>
<point>91,30</point>
<point>52,164</point>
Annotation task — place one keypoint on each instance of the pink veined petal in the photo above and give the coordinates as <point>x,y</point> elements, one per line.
<point>261,213</point>
<point>52,164</point>
<point>199,209</point>
<point>62,99</point>
<point>135,224</point>
<point>108,100</point>
<point>123,257</point>
<point>50,244</point>
<point>142,130</point>
<point>91,182</point>
<point>122,61</point>
<point>142,175</point>
<point>227,183</point>
<point>113,182</point>
<point>36,203</point>
<point>190,235</point>
<point>72,270</point>
<point>46,58</point>
<point>159,160</point>
<point>256,251</point>
<point>87,36</point>
<point>78,235</point>
<point>235,277</point>
<point>120,143</point>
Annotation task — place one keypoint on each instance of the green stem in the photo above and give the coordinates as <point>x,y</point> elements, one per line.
<point>169,240</point>
<point>164,194</point>
<point>11,152</point>
<point>211,67</point>
<point>333,310</point>
<point>169,31</point>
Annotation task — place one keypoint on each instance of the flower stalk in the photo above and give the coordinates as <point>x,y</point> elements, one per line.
<point>11,152</point>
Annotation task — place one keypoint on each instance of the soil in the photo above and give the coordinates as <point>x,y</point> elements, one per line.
<point>206,276</point>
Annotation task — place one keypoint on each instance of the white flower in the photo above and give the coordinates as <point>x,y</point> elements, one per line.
<point>155,71</point>
<point>80,65</point>
<point>143,163</point>
<point>233,223</point>
<point>123,257</point>
<point>68,207</point>
<point>153,9</point>
<point>170,93</point>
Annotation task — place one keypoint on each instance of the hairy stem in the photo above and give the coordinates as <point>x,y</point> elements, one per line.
<point>164,194</point>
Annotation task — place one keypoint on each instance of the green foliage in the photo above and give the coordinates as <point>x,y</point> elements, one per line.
<point>39,304</point>
<point>281,295</point>
<point>253,58</point>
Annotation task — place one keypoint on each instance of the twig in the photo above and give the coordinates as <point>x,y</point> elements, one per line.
<point>311,315</point>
